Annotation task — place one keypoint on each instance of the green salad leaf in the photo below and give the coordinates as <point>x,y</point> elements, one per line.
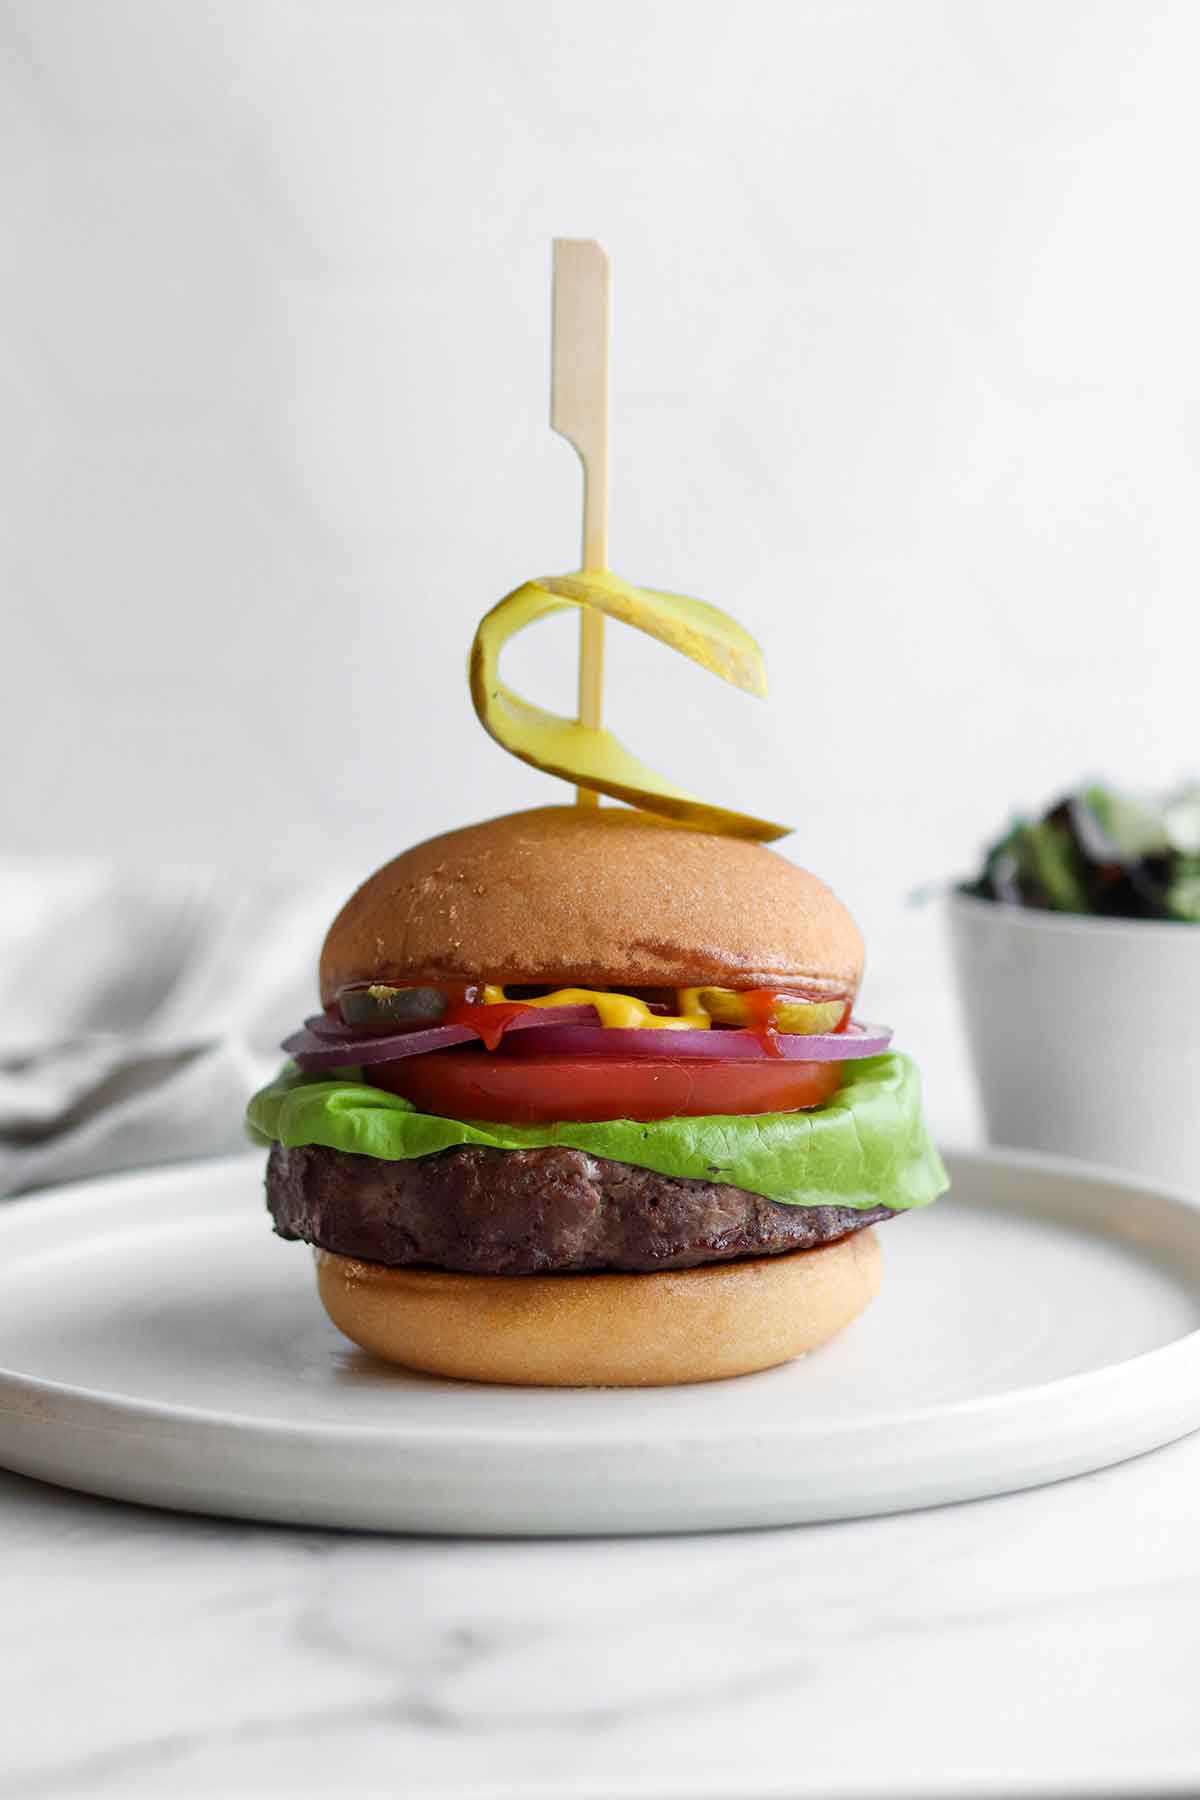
<point>868,1146</point>
<point>1102,850</point>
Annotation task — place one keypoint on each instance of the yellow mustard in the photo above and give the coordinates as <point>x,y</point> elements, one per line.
<point>620,1012</point>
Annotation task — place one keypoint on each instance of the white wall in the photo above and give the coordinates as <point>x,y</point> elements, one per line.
<point>906,378</point>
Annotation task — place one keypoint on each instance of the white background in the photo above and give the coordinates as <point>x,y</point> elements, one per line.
<point>906,378</point>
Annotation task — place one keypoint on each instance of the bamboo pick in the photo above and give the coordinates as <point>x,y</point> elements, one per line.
<point>579,412</point>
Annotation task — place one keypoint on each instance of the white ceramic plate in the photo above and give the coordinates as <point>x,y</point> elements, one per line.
<point>158,1344</point>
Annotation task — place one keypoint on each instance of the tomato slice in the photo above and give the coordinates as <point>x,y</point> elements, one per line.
<point>538,1089</point>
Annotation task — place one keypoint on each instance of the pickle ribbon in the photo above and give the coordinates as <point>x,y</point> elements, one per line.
<point>593,758</point>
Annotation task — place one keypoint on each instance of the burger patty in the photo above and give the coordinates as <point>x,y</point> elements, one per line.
<point>528,1212</point>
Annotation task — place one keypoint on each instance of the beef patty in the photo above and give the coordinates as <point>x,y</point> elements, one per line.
<point>528,1212</point>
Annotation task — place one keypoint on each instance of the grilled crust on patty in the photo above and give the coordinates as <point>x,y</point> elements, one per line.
<point>480,1211</point>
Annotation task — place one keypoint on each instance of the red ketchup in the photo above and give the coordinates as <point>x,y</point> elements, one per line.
<point>491,1022</point>
<point>761,1005</point>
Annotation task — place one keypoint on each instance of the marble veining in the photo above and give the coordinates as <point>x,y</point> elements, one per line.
<point>246,390</point>
<point>1035,1642</point>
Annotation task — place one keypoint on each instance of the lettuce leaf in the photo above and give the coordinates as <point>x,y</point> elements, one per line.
<point>866,1147</point>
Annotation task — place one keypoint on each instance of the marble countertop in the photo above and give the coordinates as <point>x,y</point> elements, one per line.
<point>1041,1643</point>
<point>1044,1643</point>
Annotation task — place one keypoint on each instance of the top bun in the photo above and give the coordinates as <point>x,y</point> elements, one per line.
<point>574,896</point>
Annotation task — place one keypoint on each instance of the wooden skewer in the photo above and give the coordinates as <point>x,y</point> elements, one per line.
<point>579,412</point>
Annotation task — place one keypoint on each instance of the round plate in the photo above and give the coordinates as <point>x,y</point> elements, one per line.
<point>158,1344</point>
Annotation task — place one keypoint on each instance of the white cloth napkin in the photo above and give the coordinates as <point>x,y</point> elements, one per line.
<point>138,1014</point>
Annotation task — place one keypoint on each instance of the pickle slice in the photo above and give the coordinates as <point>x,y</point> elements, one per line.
<point>799,1018</point>
<point>594,759</point>
<point>382,1005</point>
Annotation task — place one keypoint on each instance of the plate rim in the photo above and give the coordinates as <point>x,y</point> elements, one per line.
<point>127,1413</point>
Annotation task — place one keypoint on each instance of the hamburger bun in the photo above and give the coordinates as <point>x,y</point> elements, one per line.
<point>605,1330</point>
<point>571,896</point>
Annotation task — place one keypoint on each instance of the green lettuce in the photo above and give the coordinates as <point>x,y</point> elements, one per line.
<point>866,1147</point>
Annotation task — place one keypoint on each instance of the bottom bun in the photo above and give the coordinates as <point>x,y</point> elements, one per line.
<point>603,1330</point>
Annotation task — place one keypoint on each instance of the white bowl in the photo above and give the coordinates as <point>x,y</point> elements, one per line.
<point>1084,1033</point>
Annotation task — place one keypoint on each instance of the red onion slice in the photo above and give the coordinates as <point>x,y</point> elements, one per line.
<point>325,1045</point>
<point>327,1025</point>
<point>736,1045</point>
<point>314,1053</point>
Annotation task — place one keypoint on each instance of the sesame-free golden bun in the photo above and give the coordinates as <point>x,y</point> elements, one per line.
<point>575,896</point>
<point>605,1330</point>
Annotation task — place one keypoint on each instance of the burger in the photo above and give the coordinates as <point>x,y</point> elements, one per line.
<point>586,1104</point>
